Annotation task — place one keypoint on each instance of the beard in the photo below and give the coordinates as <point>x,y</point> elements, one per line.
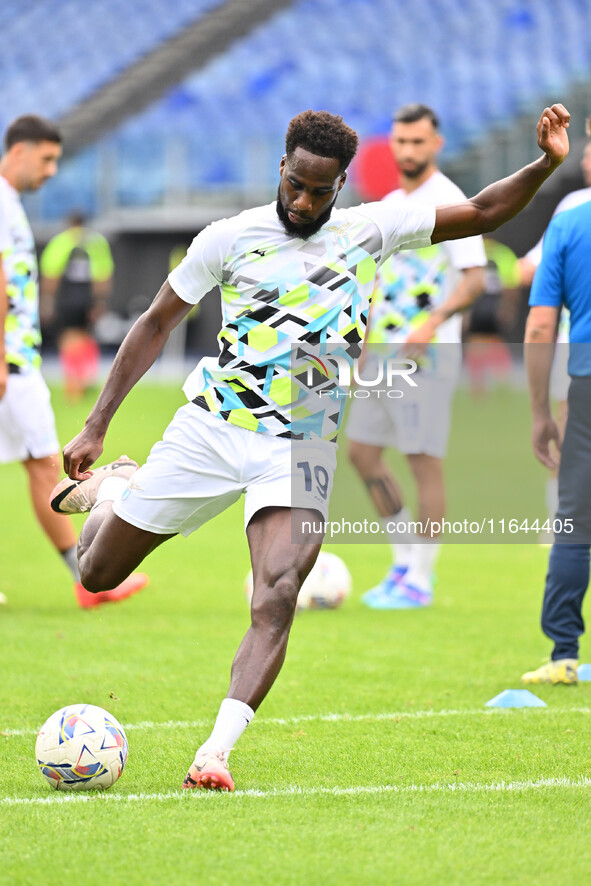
<point>304,232</point>
<point>415,171</point>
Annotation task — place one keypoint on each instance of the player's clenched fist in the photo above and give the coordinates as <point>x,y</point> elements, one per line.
<point>552,135</point>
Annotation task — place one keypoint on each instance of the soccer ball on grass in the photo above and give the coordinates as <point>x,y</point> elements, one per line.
<point>81,747</point>
<point>326,587</point>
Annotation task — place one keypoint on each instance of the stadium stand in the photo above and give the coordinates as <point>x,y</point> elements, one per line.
<point>221,127</point>
<point>57,53</point>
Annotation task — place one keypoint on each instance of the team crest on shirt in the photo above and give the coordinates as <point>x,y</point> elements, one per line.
<point>341,237</point>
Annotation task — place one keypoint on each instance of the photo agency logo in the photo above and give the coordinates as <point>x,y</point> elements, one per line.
<point>371,374</point>
<point>324,378</point>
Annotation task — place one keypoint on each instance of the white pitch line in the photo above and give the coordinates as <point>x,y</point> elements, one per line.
<point>321,718</point>
<point>298,791</point>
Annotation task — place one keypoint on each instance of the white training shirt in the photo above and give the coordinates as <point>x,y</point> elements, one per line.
<point>17,249</point>
<point>278,290</point>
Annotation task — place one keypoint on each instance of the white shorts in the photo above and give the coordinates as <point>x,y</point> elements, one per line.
<point>27,423</point>
<point>417,423</point>
<point>203,464</point>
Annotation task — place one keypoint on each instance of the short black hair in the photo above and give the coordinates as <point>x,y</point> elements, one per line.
<point>324,134</point>
<point>31,128</point>
<point>415,111</point>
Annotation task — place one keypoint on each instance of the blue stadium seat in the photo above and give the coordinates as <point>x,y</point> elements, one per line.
<point>76,42</point>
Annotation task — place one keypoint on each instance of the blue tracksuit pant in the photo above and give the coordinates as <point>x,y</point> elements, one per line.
<point>568,570</point>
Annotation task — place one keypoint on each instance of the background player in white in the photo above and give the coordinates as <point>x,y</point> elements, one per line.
<point>296,271</point>
<point>560,378</point>
<point>27,427</point>
<point>416,301</point>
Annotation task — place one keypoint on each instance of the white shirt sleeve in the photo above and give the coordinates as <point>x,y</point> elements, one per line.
<point>404,225</point>
<point>201,269</point>
<point>5,238</point>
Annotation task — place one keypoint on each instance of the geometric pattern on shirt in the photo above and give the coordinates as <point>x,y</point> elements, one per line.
<point>22,332</point>
<point>320,299</point>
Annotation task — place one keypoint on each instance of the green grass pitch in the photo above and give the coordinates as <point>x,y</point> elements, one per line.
<point>373,760</point>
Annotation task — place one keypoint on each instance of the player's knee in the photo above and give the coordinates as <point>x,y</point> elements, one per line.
<point>274,605</point>
<point>90,584</point>
<point>91,581</point>
<point>357,454</point>
<point>94,575</point>
<point>44,471</point>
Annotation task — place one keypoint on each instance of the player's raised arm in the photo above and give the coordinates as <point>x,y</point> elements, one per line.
<point>502,200</point>
<point>139,349</point>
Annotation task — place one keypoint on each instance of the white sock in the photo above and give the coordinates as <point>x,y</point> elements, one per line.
<point>400,542</point>
<point>110,489</point>
<point>552,496</point>
<point>70,558</point>
<point>422,563</point>
<point>232,719</point>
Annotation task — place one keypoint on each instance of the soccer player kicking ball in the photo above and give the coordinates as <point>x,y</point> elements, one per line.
<point>297,270</point>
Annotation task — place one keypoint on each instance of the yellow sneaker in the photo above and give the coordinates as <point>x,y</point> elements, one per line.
<point>563,670</point>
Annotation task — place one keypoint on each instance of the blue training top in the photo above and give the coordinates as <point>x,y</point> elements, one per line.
<point>564,278</point>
